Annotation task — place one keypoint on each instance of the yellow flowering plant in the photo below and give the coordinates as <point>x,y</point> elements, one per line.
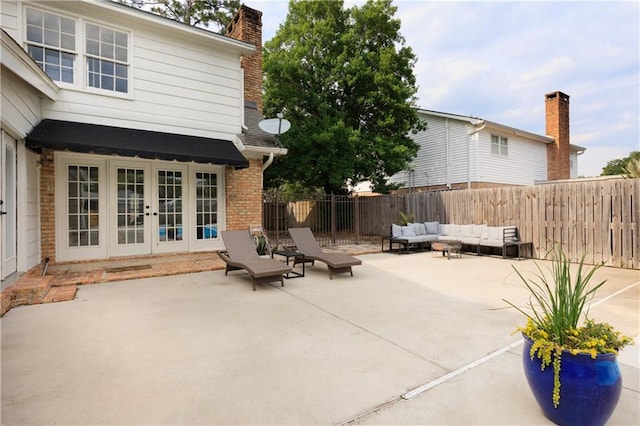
<point>553,314</point>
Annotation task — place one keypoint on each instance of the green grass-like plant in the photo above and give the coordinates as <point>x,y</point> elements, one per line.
<point>557,301</point>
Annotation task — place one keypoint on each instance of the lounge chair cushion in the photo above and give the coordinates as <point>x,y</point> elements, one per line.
<point>307,244</point>
<point>241,254</point>
<point>396,231</point>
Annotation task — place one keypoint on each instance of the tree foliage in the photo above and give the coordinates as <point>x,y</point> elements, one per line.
<point>202,13</point>
<point>622,166</point>
<point>344,78</point>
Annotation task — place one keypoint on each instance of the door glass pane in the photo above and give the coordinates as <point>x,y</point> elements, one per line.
<point>83,201</point>
<point>206,206</point>
<point>130,209</point>
<point>169,205</point>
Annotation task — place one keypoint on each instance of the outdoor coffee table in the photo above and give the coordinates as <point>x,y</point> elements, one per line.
<point>446,246</point>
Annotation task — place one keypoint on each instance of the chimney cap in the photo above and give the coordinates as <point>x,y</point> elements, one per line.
<point>556,94</point>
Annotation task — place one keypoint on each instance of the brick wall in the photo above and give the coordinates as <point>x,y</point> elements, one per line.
<point>247,26</point>
<point>244,187</point>
<point>244,195</point>
<point>47,206</point>
<point>557,127</point>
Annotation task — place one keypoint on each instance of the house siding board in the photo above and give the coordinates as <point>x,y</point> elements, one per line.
<point>525,164</point>
<point>20,104</point>
<point>31,225</point>
<point>177,85</point>
<point>467,159</point>
<point>9,18</point>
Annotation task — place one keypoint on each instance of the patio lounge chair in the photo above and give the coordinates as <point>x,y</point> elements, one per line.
<point>241,254</point>
<point>336,262</point>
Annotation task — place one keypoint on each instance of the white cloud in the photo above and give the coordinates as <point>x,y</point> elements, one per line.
<point>496,60</point>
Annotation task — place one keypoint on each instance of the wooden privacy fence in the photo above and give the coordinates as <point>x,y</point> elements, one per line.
<point>595,218</point>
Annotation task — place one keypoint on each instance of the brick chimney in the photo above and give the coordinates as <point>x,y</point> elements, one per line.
<point>247,26</point>
<point>557,127</point>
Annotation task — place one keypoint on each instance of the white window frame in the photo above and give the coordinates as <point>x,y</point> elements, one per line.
<point>75,51</point>
<point>80,76</point>
<point>65,252</point>
<point>499,146</point>
<point>87,56</point>
<point>210,243</point>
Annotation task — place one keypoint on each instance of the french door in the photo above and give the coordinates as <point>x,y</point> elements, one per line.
<point>8,212</point>
<point>147,213</point>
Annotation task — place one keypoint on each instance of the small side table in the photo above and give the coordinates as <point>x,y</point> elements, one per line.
<point>519,245</point>
<point>297,258</point>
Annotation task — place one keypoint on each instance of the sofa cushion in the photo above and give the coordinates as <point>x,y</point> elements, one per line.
<point>495,233</point>
<point>466,230</point>
<point>477,231</point>
<point>420,229</point>
<point>454,230</point>
<point>408,231</point>
<point>445,229</point>
<point>485,233</point>
<point>432,227</point>
<point>472,241</point>
<point>396,230</point>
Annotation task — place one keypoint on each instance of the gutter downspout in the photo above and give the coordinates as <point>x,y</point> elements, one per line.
<point>469,152</point>
<point>268,162</point>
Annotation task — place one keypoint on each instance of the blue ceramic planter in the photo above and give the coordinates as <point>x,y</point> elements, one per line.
<point>589,388</point>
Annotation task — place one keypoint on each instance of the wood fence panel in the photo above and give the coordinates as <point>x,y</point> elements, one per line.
<point>596,218</point>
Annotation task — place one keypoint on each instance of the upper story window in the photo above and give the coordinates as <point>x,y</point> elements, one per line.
<point>107,58</point>
<point>51,42</point>
<point>499,146</point>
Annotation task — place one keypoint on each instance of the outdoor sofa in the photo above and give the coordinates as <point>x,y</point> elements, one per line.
<point>418,236</point>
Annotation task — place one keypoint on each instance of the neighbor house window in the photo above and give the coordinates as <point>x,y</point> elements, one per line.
<point>107,58</point>
<point>51,42</point>
<point>499,146</point>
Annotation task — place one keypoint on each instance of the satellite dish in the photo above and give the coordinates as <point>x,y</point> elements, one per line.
<point>275,126</point>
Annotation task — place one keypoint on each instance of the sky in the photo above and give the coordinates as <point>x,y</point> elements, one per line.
<point>497,60</point>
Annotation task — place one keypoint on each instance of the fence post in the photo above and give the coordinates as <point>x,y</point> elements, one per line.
<point>333,218</point>
<point>277,207</point>
<point>356,213</point>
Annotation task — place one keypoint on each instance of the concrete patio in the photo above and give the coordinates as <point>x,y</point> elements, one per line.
<point>203,348</point>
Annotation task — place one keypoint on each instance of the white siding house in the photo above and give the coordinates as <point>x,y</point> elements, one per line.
<point>120,133</point>
<point>463,152</point>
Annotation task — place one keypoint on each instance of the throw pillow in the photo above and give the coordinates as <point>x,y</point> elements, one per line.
<point>396,230</point>
<point>432,227</point>
<point>407,231</point>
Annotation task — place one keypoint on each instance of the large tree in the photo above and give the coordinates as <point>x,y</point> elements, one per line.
<point>344,78</point>
<point>202,13</point>
<point>621,166</point>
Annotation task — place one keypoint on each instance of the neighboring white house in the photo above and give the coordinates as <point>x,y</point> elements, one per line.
<point>123,133</point>
<point>459,151</point>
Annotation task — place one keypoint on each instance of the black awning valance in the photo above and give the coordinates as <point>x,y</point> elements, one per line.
<point>94,138</point>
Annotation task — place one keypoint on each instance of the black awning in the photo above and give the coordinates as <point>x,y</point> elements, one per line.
<point>93,138</point>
